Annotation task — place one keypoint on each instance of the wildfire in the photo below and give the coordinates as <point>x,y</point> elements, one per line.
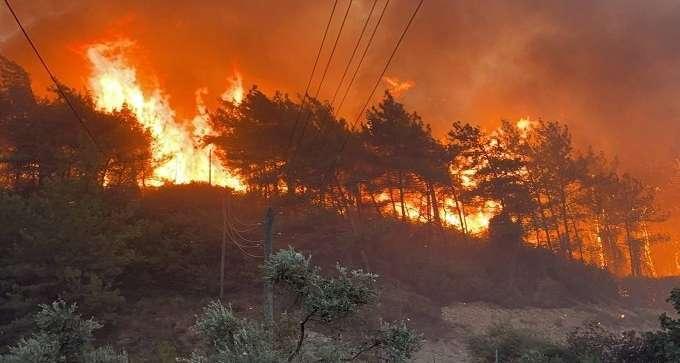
<point>524,125</point>
<point>182,157</point>
<point>235,93</point>
<point>178,149</point>
<point>476,219</point>
<point>397,86</point>
<point>475,222</point>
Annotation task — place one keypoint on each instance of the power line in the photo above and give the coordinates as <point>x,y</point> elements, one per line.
<point>230,222</point>
<point>363,56</point>
<point>356,47</point>
<point>311,77</point>
<point>246,226</point>
<point>323,76</point>
<point>227,231</point>
<point>60,90</point>
<point>387,64</point>
<point>375,87</point>
<point>356,70</point>
<point>335,45</point>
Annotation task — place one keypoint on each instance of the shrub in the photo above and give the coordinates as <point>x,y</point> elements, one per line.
<point>230,339</point>
<point>513,345</point>
<point>62,336</point>
<point>64,241</point>
<point>322,300</point>
<point>593,343</point>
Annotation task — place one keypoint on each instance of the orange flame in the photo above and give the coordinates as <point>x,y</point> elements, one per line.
<point>476,219</point>
<point>235,93</point>
<point>178,150</point>
<point>397,86</point>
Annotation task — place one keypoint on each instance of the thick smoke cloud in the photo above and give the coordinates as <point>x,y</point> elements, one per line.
<point>610,69</point>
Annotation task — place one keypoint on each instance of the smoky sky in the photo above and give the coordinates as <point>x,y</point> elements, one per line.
<point>610,69</point>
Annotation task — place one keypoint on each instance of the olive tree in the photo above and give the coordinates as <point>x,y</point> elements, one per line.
<point>320,300</point>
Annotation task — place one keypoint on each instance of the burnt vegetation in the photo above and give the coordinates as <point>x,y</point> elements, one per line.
<point>79,223</point>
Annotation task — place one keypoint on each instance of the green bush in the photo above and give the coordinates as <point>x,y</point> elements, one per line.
<point>514,345</point>
<point>321,300</point>
<point>62,336</point>
<point>592,343</point>
<point>230,339</point>
<point>64,241</point>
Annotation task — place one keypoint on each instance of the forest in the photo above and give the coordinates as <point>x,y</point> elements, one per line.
<point>574,203</point>
<point>494,215</point>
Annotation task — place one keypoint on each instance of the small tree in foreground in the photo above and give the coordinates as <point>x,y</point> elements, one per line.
<point>63,336</point>
<point>321,300</point>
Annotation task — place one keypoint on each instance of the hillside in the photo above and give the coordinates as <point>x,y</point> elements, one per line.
<point>449,287</point>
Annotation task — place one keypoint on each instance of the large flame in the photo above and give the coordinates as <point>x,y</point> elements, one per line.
<point>178,150</point>
<point>177,145</point>
<point>476,218</point>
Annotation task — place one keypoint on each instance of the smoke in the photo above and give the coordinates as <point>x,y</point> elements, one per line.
<point>610,69</point>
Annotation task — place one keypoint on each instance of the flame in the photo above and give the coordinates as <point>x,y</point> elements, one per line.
<point>476,218</point>
<point>525,125</point>
<point>397,86</point>
<point>178,150</point>
<point>477,221</point>
<point>235,93</point>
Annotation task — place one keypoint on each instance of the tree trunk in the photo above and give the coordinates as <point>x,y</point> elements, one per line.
<point>544,222</point>
<point>634,270</point>
<point>401,196</point>
<point>428,204</point>
<point>357,198</point>
<point>461,212</point>
<point>394,205</point>
<point>579,241</point>
<point>435,206</point>
<point>301,338</point>
<point>375,204</point>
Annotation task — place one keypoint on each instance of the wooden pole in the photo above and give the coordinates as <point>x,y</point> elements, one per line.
<point>268,306</point>
<point>210,167</point>
<point>224,245</point>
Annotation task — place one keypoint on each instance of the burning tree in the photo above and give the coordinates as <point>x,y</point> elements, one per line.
<point>42,140</point>
<point>575,204</point>
<point>408,157</point>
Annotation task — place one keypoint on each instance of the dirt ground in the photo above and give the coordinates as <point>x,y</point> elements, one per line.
<point>465,319</point>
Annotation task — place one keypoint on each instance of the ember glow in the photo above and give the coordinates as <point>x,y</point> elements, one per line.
<point>178,149</point>
<point>475,222</point>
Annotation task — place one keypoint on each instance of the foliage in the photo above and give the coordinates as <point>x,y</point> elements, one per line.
<point>43,141</point>
<point>593,342</point>
<point>513,345</point>
<point>321,299</point>
<point>397,341</point>
<point>291,268</point>
<point>590,343</point>
<point>230,339</point>
<point>63,242</point>
<point>325,298</point>
<point>62,336</point>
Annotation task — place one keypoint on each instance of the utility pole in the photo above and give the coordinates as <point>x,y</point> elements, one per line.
<point>224,245</point>
<point>268,305</point>
<point>210,167</point>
